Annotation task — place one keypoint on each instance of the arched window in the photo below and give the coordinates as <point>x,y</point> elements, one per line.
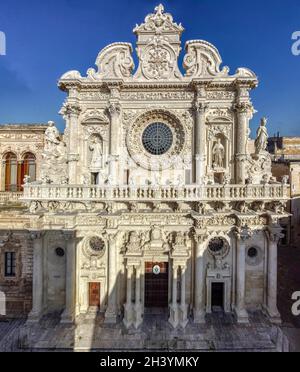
<point>11,172</point>
<point>15,172</point>
<point>28,167</point>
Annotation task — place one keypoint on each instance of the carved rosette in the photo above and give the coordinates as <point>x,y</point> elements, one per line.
<point>94,245</point>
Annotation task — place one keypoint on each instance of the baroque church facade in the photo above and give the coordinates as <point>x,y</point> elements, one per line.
<point>153,198</point>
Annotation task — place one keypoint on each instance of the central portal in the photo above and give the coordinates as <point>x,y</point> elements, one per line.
<point>156,284</point>
<point>217,296</point>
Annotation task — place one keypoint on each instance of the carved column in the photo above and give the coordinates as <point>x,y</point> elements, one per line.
<point>183,305</point>
<point>138,305</point>
<point>200,108</point>
<point>68,315</point>
<point>244,110</point>
<point>111,311</point>
<point>199,284</point>
<point>174,314</point>
<point>274,235</point>
<point>114,110</point>
<point>73,111</point>
<point>242,236</point>
<point>38,277</point>
<point>128,308</point>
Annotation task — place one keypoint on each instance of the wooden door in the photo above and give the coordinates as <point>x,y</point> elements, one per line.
<point>156,285</point>
<point>94,294</point>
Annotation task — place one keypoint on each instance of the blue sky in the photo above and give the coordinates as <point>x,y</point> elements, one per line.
<point>47,38</point>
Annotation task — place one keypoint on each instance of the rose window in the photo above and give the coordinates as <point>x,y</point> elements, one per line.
<point>157,138</point>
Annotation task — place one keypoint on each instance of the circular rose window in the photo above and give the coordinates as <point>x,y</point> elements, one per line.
<point>157,138</point>
<point>218,247</point>
<point>97,244</point>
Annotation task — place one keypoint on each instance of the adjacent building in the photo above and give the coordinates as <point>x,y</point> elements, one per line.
<point>21,147</point>
<point>285,153</point>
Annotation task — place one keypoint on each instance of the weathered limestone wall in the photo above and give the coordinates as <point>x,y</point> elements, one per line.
<point>17,290</point>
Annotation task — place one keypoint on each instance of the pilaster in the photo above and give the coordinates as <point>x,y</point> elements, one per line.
<point>242,236</point>
<point>68,315</point>
<point>273,234</point>
<point>111,311</point>
<point>38,276</point>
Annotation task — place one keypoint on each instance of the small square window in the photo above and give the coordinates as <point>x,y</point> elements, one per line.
<point>10,264</point>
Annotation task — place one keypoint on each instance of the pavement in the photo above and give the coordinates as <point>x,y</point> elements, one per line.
<point>220,333</point>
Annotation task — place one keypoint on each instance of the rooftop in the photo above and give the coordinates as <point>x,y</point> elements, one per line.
<point>23,126</point>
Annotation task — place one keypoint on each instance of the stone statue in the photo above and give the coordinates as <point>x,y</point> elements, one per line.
<point>26,179</point>
<point>97,148</point>
<point>51,136</point>
<point>262,137</point>
<point>180,239</point>
<point>155,233</point>
<point>218,154</point>
<point>54,163</point>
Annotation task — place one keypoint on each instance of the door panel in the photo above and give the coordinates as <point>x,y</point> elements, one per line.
<point>156,285</point>
<point>217,294</point>
<point>94,294</point>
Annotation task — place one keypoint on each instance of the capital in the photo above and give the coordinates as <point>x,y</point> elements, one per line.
<point>244,107</point>
<point>243,234</point>
<point>72,109</point>
<point>200,107</point>
<point>200,236</point>
<point>274,233</point>
<point>114,109</point>
<point>36,234</point>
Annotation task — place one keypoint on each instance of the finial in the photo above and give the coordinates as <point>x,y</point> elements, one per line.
<point>159,9</point>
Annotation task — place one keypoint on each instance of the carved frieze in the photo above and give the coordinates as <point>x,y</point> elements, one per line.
<point>157,95</point>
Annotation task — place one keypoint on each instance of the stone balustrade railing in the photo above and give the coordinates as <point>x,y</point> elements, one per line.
<point>159,193</point>
<point>10,197</point>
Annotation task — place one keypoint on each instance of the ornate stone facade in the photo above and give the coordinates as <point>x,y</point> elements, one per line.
<point>153,180</point>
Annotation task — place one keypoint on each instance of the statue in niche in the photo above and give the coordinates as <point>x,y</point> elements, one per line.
<point>97,148</point>
<point>218,153</point>
<point>52,138</point>
<point>156,233</point>
<point>180,238</point>
<point>261,137</point>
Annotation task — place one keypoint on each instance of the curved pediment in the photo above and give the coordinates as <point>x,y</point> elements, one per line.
<point>158,47</point>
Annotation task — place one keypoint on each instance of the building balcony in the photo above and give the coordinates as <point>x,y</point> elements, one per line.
<point>192,193</point>
<point>7,197</point>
